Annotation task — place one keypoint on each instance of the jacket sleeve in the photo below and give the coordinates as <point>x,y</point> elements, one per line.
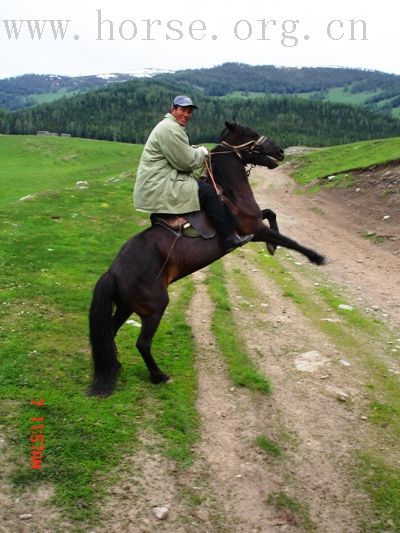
<point>175,147</point>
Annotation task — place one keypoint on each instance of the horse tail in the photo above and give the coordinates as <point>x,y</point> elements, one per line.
<point>104,351</point>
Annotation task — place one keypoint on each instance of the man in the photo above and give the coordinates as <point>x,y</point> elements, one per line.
<point>165,182</point>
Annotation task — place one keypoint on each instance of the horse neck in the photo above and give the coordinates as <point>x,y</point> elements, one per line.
<point>230,174</point>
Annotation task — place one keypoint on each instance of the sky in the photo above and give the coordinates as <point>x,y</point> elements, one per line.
<point>97,36</point>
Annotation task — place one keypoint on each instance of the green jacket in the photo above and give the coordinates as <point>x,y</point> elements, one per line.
<point>164,180</point>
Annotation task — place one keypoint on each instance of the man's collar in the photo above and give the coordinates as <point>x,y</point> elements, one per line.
<point>171,116</point>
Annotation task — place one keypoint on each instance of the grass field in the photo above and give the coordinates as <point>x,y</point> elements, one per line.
<point>339,95</point>
<point>46,98</point>
<point>336,95</point>
<point>54,246</point>
<point>342,159</point>
<point>31,164</point>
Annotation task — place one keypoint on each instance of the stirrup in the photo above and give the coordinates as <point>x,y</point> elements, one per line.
<point>234,241</point>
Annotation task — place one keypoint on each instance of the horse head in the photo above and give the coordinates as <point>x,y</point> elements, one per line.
<point>252,147</point>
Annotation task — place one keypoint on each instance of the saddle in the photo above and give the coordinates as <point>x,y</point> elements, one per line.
<point>194,224</point>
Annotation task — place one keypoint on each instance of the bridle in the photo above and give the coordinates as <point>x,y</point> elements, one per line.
<point>249,146</point>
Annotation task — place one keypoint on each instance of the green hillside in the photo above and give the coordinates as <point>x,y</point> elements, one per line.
<point>35,164</point>
<point>344,96</point>
<point>30,89</point>
<point>341,159</point>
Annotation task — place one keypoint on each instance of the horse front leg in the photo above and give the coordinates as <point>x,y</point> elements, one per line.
<point>150,325</point>
<point>267,235</point>
<point>273,224</point>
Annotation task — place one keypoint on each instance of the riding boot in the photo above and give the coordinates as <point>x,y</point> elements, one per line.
<point>235,240</point>
<point>221,217</point>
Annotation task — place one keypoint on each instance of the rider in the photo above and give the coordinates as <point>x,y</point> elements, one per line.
<point>165,182</point>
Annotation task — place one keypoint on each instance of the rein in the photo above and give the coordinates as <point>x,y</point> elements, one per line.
<point>177,236</point>
<point>207,164</point>
<point>237,148</point>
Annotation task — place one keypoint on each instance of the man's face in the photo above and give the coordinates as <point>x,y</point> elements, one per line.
<point>182,114</point>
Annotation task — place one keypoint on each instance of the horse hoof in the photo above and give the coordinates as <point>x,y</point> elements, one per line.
<point>271,248</point>
<point>322,260</point>
<point>100,392</point>
<point>160,378</point>
<point>102,388</point>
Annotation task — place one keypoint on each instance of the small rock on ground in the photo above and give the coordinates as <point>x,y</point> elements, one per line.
<point>161,513</point>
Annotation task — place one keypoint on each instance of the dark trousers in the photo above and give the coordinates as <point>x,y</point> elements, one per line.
<point>220,215</point>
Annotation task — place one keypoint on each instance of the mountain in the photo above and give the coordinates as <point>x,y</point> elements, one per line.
<point>32,89</point>
<point>128,111</point>
<point>373,89</point>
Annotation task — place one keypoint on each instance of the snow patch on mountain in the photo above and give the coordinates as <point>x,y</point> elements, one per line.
<point>135,73</point>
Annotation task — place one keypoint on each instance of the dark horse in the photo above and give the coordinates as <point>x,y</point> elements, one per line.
<point>138,279</point>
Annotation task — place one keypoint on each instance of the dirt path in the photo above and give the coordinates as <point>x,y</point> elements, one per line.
<point>237,473</point>
<point>328,223</point>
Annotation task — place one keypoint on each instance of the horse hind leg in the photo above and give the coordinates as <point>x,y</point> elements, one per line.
<point>150,325</point>
<point>119,318</point>
<point>273,224</point>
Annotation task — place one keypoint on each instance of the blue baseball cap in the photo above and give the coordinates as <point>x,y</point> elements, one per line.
<point>183,101</point>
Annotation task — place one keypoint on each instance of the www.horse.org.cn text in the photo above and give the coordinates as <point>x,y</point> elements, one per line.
<point>288,33</point>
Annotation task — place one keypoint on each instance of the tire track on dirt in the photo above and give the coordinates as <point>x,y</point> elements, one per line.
<point>238,475</point>
<point>326,430</point>
<point>379,338</point>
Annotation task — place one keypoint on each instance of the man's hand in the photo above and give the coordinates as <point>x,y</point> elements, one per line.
<point>204,150</point>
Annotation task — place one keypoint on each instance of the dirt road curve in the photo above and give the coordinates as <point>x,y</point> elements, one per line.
<point>335,222</point>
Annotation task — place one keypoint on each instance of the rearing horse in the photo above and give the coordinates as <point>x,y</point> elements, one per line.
<point>138,279</point>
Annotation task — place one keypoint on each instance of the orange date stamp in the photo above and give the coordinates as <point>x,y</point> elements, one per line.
<point>37,438</point>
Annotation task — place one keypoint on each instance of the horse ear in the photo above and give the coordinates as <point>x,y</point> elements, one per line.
<point>229,125</point>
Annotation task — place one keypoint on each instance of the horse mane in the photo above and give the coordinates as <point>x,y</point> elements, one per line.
<point>238,133</point>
